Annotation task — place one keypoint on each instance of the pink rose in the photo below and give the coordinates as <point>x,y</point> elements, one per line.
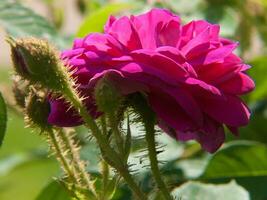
<point>190,74</point>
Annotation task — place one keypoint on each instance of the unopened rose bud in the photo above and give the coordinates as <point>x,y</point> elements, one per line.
<point>37,61</point>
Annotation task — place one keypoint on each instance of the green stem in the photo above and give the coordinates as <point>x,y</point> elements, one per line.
<point>75,157</point>
<point>141,106</point>
<point>60,156</point>
<point>105,178</point>
<point>150,138</point>
<point>104,124</point>
<point>115,130</point>
<point>109,153</point>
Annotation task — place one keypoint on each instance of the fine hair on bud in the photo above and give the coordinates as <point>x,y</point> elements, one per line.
<point>38,62</point>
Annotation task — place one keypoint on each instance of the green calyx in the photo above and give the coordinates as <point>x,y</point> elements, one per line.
<point>108,98</point>
<point>38,62</point>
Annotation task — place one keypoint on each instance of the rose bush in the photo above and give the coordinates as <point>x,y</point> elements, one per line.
<point>192,78</point>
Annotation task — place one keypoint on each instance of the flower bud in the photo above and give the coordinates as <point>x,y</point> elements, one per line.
<point>107,96</point>
<point>37,61</point>
<point>37,110</point>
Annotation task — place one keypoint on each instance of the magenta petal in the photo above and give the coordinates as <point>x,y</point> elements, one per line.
<point>239,84</point>
<point>128,37</point>
<point>211,137</point>
<point>167,109</point>
<point>169,34</point>
<point>174,54</point>
<point>103,43</point>
<point>146,72</point>
<point>109,23</point>
<point>218,54</point>
<point>215,56</point>
<point>61,115</point>
<point>71,53</point>
<point>230,111</point>
<point>150,24</point>
<point>159,62</point>
<point>218,72</point>
<point>187,103</point>
<point>199,39</point>
<point>200,88</point>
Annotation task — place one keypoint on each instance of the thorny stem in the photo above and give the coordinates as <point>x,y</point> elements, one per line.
<point>107,150</point>
<point>150,138</point>
<point>75,157</point>
<point>60,155</point>
<point>148,117</point>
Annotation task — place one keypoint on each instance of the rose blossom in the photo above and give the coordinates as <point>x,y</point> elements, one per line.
<point>189,73</point>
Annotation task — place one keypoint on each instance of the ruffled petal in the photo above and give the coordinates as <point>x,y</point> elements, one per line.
<point>239,84</point>
<point>103,43</point>
<point>169,34</point>
<point>174,54</point>
<point>160,62</point>
<point>200,88</point>
<point>152,28</point>
<point>146,73</point>
<point>214,56</point>
<point>128,37</point>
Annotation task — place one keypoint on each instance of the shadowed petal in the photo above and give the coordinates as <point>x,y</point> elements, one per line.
<point>230,111</point>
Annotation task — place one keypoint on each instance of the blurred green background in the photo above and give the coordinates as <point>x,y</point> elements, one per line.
<point>237,171</point>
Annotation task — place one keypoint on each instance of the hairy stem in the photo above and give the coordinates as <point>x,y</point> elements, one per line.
<point>141,106</point>
<point>109,154</point>
<point>72,149</point>
<point>150,138</point>
<point>60,156</point>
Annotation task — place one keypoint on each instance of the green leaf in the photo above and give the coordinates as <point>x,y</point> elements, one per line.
<point>26,180</point>
<point>239,159</point>
<point>200,191</point>
<point>3,119</point>
<point>20,21</point>
<point>55,191</point>
<point>245,162</point>
<point>258,74</point>
<point>96,20</point>
<point>254,131</point>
